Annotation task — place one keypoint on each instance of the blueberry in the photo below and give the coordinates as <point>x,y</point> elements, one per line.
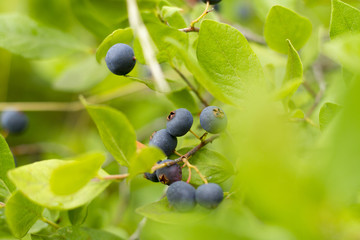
<point>209,195</point>
<point>120,59</point>
<point>151,176</point>
<point>14,121</point>
<point>170,174</point>
<point>181,196</point>
<point>179,122</point>
<point>213,119</point>
<point>212,2</point>
<point>163,140</point>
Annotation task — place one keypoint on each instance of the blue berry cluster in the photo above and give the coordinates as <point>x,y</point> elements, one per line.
<point>181,195</point>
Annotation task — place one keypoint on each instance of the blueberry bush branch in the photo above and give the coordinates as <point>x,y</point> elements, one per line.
<point>187,155</point>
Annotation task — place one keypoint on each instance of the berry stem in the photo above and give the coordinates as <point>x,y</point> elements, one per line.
<point>177,153</point>
<point>203,101</point>
<point>114,177</point>
<point>2,205</point>
<point>190,166</point>
<point>193,133</point>
<point>192,24</point>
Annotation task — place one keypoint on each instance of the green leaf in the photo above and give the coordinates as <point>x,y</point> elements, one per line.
<point>213,165</point>
<point>298,113</point>
<point>21,214</point>
<point>327,112</point>
<point>294,67</point>
<point>227,57</point>
<point>78,215</point>
<point>81,76</point>
<point>4,190</point>
<point>6,162</point>
<point>77,233</point>
<point>72,176</point>
<point>344,19</point>
<point>116,132</point>
<point>173,16</point>
<point>345,49</point>
<point>33,181</point>
<point>201,76</point>
<point>161,212</point>
<point>288,89</point>
<point>183,99</point>
<point>282,24</point>
<point>21,35</point>
<point>118,36</point>
<point>144,160</point>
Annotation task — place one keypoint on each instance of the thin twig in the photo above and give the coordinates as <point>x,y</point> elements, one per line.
<point>190,85</point>
<point>51,223</point>
<point>187,155</point>
<point>189,29</point>
<point>319,76</point>
<point>309,89</point>
<point>147,44</point>
<point>176,153</point>
<point>70,106</point>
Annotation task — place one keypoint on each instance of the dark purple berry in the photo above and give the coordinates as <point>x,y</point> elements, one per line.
<point>120,59</point>
<point>163,140</point>
<point>213,119</point>
<point>179,122</point>
<point>181,196</point>
<point>170,174</point>
<point>14,121</point>
<point>209,195</point>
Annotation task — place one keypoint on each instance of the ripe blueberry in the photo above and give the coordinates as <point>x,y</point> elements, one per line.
<point>213,119</point>
<point>163,140</point>
<point>14,121</point>
<point>181,196</point>
<point>212,2</point>
<point>170,174</point>
<point>120,59</point>
<point>209,195</point>
<point>151,176</point>
<point>179,122</point>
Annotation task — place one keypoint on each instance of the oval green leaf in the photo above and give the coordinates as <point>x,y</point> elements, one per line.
<point>232,66</point>
<point>116,132</point>
<point>21,214</point>
<point>73,175</point>
<point>344,19</point>
<point>282,24</point>
<point>33,181</point>
<point>6,162</point>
